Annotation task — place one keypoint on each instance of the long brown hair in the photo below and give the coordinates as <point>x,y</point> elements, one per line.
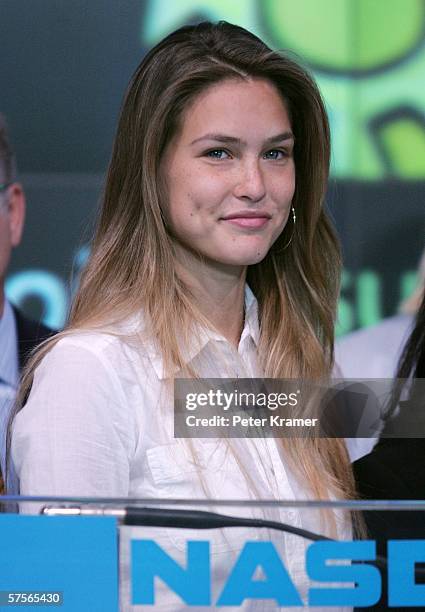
<point>132,268</point>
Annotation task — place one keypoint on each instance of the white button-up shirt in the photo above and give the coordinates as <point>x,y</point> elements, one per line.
<point>99,422</point>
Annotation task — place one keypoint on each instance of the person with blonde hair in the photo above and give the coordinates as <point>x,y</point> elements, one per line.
<point>213,257</point>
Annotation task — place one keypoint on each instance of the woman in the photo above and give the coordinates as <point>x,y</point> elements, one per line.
<point>213,257</point>
<point>395,468</point>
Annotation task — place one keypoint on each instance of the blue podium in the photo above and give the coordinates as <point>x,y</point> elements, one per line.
<point>103,555</point>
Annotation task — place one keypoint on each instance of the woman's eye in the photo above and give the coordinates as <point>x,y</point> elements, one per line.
<point>275,154</point>
<point>218,154</point>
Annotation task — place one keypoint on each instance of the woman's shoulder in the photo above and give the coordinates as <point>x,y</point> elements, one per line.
<point>103,340</point>
<point>91,367</point>
<point>92,340</point>
<point>122,350</point>
<point>82,347</point>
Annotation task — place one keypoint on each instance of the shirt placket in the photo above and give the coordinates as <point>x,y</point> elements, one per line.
<point>293,546</point>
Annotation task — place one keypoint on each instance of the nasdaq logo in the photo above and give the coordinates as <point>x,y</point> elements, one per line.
<point>326,562</point>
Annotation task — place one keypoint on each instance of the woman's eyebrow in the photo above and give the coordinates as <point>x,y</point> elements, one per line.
<point>233,140</point>
<point>280,138</point>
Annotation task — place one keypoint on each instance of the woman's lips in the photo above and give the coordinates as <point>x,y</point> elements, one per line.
<point>250,222</point>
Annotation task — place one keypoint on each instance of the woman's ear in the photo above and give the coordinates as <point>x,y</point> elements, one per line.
<point>16,206</point>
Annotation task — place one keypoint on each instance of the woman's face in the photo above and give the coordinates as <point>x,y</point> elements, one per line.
<point>230,172</point>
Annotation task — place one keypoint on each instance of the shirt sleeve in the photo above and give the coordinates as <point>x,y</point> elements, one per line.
<point>74,437</point>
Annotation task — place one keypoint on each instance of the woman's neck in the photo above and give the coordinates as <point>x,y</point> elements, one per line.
<point>220,295</point>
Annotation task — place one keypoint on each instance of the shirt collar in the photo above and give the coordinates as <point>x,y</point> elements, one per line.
<point>9,371</point>
<point>251,329</point>
<point>251,326</point>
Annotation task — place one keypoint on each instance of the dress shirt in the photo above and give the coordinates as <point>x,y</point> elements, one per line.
<point>99,422</point>
<point>9,374</point>
<point>373,352</point>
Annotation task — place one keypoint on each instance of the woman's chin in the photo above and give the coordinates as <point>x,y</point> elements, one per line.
<point>244,259</point>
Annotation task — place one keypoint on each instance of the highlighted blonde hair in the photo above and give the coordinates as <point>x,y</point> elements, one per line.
<point>132,265</point>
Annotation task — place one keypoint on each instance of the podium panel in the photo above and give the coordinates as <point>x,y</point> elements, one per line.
<point>132,555</point>
<point>58,563</point>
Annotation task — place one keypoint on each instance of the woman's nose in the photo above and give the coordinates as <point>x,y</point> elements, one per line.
<point>250,182</point>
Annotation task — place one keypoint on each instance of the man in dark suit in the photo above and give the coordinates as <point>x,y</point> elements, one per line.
<point>18,335</point>
<point>30,333</point>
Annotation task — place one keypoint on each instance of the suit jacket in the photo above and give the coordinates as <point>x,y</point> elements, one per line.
<point>30,334</point>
